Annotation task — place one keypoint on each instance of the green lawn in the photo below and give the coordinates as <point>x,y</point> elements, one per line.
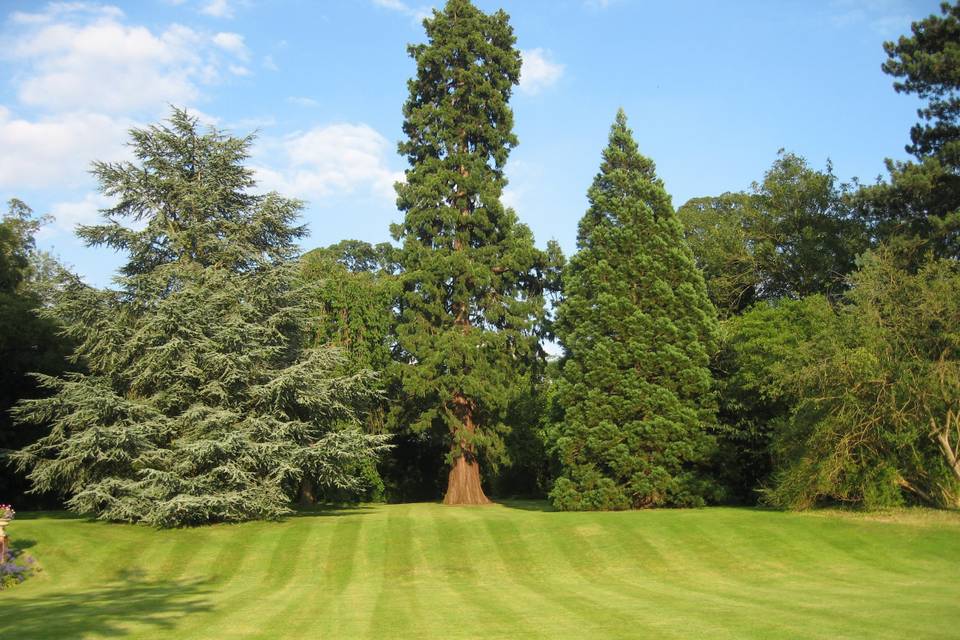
<point>506,571</point>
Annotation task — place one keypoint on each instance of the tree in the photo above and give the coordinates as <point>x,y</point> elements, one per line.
<point>203,399</point>
<point>352,300</point>
<point>878,392</point>
<point>792,235</point>
<point>919,203</point>
<point>28,280</point>
<point>638,329</point>
<point>354,290</point>
<point>754,404</point>
<point>472,305</point>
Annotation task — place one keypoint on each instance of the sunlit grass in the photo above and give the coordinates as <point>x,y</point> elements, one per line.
<point>507,571</point>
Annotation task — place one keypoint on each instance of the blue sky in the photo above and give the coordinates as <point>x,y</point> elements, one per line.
<point>712,90</point>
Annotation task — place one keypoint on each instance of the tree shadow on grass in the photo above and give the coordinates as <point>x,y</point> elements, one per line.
<point>334,510</point>
<point>20,544</point>
<point>527,505</point>
<point>51,515</point>
<point>103,612</point>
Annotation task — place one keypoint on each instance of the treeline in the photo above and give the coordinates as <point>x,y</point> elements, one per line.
<point>797,344</point>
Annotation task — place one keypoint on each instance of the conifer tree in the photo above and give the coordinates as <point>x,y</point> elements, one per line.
<point>473,281</point>
<point>638,329</point>
<point>204,399</point>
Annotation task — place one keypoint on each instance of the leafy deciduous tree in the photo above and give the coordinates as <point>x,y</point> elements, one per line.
<point>793,235</point>
<point>28,343</point>
<point>878,394</point>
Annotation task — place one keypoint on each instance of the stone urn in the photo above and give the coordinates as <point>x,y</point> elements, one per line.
<point>3,538</point>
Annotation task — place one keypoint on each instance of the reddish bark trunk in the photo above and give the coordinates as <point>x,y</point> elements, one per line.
<point>463,483</point>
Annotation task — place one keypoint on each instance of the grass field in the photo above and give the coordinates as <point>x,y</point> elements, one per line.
<point>507,571</point>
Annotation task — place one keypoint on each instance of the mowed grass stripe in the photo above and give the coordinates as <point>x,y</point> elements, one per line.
<point>541,570</point>
<point>478,587</point>
<point>813,592</point>
<point>308,602</point>
<point>714,571</point>
<point>184,553</point>
<point>426,570</point>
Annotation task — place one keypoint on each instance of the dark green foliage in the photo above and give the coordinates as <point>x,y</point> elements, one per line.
<point>525,472</point>
<point>28,342</point>
<point>928,62</point>
<point>472,299</point>
<point>753,405</point>
<point>638,328</point>
<point>352,300</point>
<point>204,398</point>
<point>354,293</point>
<point>919,204</point>
<point>878,394</point>
<point>793,235</point>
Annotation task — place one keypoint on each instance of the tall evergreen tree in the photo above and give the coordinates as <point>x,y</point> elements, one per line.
<point>473,281</point>
<point>919,204</point>
<point>638,329</point>
<point>204,400</point>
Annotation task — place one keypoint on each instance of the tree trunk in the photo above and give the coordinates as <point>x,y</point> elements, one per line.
<point>463,483</point>
<point>950,452</point>
<point>307,494</point>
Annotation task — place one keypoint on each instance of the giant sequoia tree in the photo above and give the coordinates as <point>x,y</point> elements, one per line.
<point>472,279</point>
<point>638,329</point>
<point>204,398</point>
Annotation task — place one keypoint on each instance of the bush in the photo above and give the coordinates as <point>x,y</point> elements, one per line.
<point>15,568</point>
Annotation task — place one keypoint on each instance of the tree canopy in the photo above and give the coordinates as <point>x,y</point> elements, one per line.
<point>203,398</point>
<point>792,235</point>
<point>473,282</point>
<point>918,206</point>
<point>638,329</point>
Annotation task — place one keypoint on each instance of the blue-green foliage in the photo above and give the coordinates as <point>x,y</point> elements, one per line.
<point>204,398</point>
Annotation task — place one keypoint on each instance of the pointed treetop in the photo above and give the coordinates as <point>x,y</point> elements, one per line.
<point>622,151</point>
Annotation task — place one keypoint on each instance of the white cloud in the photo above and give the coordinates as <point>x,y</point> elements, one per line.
<point>885,17</point>
<point>510,198</point>
<point>269,64</point>
<point>232,42</point>
<point>302,101</point>
<point>67,215</point>
<point>331,160</point>
<point>538,71</point>
<point>417,14</point>
<point>204,118</point>
<point>84,75</point>
<point>56,10</point>
<point>217,9</point>
<point>393,5</point>
<point>243,126</point>
<point>57,150</point>
<point>78,57</point>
